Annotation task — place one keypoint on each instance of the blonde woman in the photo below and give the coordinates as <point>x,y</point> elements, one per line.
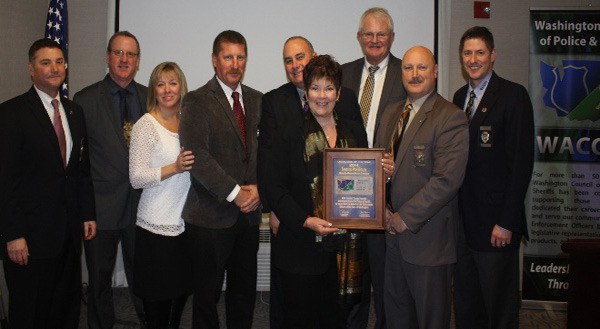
<point>159,165</point>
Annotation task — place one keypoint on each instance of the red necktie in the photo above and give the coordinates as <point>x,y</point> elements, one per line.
<point>60,132</point>
<point>238,112</point>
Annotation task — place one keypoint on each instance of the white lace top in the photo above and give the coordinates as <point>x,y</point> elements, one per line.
<point>152,147</point>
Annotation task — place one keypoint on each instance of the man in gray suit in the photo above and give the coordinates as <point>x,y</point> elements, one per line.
<point>111,106</point>
<point>429,140</point>
<point>219,125</point>
<point>375,91</point>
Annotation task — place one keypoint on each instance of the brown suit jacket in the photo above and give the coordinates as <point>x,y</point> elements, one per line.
<point>209,129</point>
<point>430,168</point>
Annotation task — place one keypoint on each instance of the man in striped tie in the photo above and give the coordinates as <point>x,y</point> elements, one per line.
<point>376,80</point>
<point>422,218</point>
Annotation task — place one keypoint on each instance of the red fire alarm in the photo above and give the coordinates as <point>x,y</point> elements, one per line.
<point>481,9</point>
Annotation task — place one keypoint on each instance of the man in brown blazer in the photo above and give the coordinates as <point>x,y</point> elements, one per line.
<point>219,125</point>
<point>422,221</point>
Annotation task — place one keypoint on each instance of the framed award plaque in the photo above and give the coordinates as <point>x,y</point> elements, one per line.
<point>354,188</point>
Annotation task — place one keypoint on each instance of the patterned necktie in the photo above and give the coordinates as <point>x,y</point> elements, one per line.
<point>305,107</point>
<point>126,122</point>
<point>367,94</point>
<point>401,126</point>
<point>60,132</point>
<point>238,112</point>
<point>469,110</point>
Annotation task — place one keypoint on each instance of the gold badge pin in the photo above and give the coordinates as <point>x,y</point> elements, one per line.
<point>484,109</point>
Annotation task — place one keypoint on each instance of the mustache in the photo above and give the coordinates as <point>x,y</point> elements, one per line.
<point>416,79</point>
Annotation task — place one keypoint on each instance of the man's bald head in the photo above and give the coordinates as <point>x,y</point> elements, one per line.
<point>419,72</point>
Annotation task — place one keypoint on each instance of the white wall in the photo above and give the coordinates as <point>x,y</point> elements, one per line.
<point>183,31</point>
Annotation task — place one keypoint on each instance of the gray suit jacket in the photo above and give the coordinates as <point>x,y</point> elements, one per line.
<point>116,200</point>
<point>430,167</point>
<point>209,129</point>
<point>393,90</point>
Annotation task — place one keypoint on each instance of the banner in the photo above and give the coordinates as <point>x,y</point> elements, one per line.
<point>563,200</point>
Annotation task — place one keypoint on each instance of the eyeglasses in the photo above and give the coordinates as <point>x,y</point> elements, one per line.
<point>121,53</point>
<point>371,35</point>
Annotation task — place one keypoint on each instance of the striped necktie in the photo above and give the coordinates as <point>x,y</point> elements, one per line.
<point>469,110</point>
<point>400,128</point>
<point>367,94</point>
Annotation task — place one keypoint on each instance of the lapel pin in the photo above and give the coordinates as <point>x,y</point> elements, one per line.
<point>484,109</point>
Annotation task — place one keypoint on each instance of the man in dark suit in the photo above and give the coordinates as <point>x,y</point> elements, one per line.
<point>282,108</point>
<point>492,196</point>
<point>111,107</point>
<point>219,125</point>
<point>46,196</point>
<point>428,136</point>
<point>384,86</point>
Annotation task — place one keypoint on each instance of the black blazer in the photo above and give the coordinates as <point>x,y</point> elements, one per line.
<point>40,200</point>
<point>116,200</point>
<point>501,146</point>
<point>288,193</point>
<point>393,90</point>
<point>281,110</point>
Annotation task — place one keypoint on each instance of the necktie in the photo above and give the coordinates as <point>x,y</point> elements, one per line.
<point>238,112</point>
<point>126,122</point>
<point>367,94</point>
<point>305,107</point>
<point>60,132</point>
<point>469,110</point>
<point>401,126</point>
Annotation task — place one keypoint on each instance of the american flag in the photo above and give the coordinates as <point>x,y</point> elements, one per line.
<point>56,29</point>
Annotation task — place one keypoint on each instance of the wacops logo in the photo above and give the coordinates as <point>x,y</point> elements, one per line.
<point>576,94</point>
<point>345,184</point>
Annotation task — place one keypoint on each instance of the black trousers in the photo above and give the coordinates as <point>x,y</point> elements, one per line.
<point>164,314</point>
<point>45,293</point>
<point>486,289</point>
<point>213,252</point>
<point>275,296</point>
<point>373,276</point>
<point>310,301</point>
<point>101,256</point>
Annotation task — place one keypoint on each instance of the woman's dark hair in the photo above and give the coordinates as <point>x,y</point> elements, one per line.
<point>323,66</point>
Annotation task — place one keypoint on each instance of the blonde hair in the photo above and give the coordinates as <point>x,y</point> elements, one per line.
<point>165,67</point>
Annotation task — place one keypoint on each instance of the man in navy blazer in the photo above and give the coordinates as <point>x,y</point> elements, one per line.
<point>375,36</point>
<point>46,196</point>
<point>107,105</point>
<point>283,108</point>
<point>493,192</point>
<point>219,125</point>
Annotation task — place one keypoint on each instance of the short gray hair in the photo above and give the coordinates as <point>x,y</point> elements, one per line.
<point>377,12</point>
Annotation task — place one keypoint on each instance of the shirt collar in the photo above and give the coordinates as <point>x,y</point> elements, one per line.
<point>382,65</point>
<point>301,92</point>
<point>228,91</point>
<point>46,99</point>
<point>418,102</point>
<point>114,87</point>
<point>482,86</point>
